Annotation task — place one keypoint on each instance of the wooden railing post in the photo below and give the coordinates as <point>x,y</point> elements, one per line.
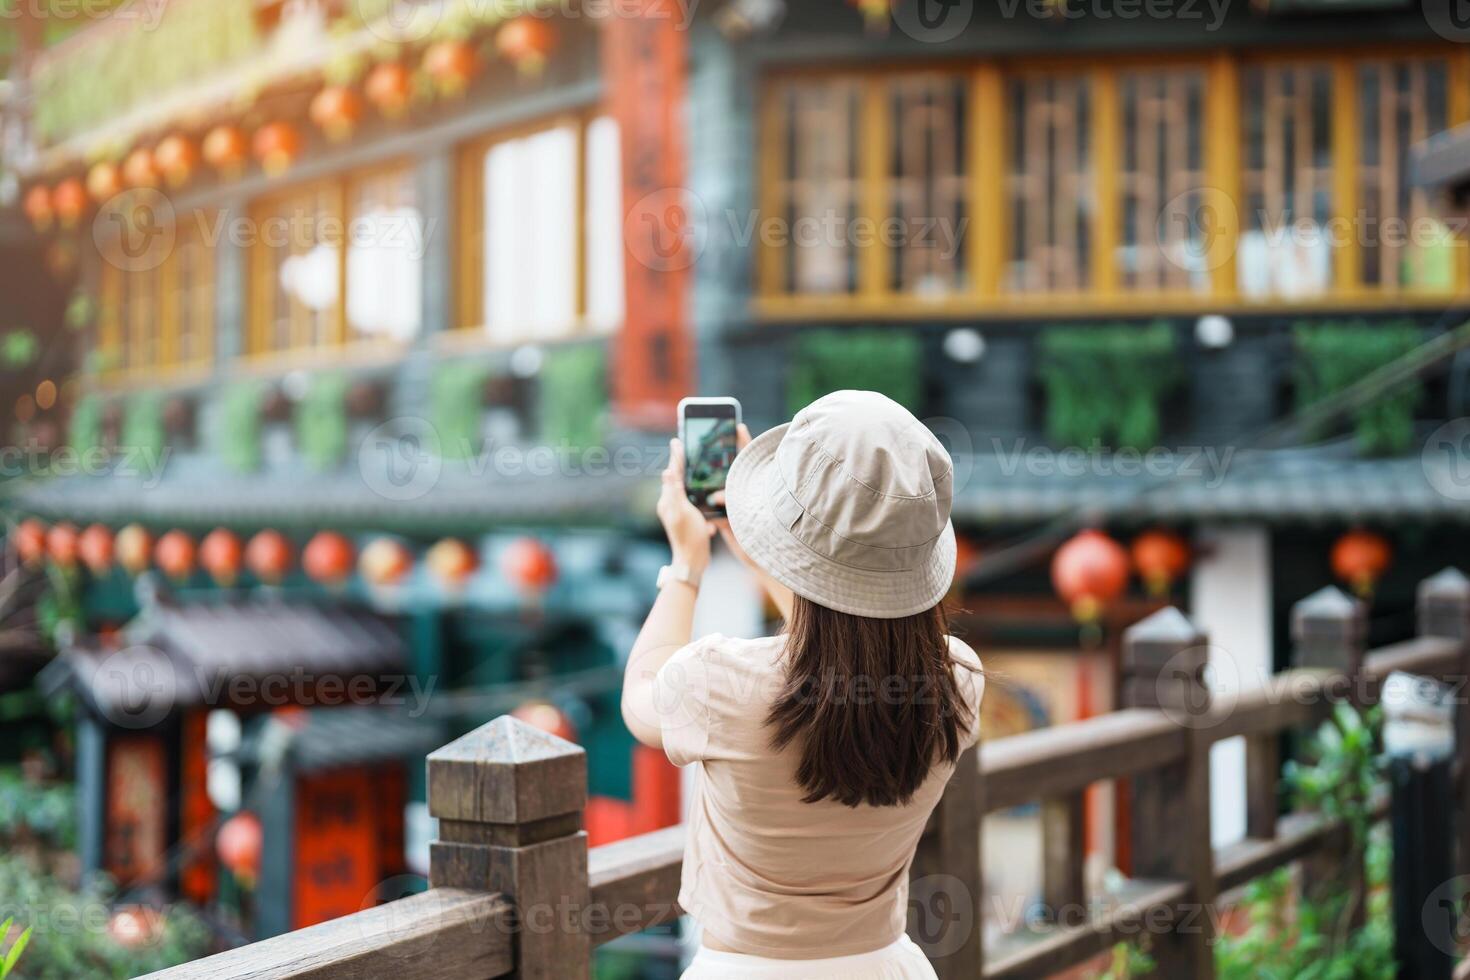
<point>1329,631</point>
<point>1164,657</point>
<point>509,799</point>
<point>1444,610</point>
<point>945,881</point>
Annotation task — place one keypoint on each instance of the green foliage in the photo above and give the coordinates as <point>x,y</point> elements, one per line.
<point>238,432</point>
<point>1312,938</point>
<point>1128,961</point>
<point>1333,356</point>
<point>71,938</point>
<point>81,310</point>
<point>456,407</point>
<point>85,430</point>
<point>142,430</point>
<point>19,348</point>
<point>46,812</point>
<point>1106,384</point>
<point>104,75</point>
<point>574,395</point>
<point>886,361</point>
<point>321,421</point>
<point>61,603</point>
<point>11,955</point>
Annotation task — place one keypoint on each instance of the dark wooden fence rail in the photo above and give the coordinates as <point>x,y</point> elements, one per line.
<point>516,891</point>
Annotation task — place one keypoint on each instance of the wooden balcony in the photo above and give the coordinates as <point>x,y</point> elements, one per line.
<point>515,890</point>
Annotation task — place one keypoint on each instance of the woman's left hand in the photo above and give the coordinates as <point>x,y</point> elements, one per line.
<point>688,531</point>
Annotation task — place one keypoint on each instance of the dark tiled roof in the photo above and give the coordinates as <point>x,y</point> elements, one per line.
<point>347,735</point>
<point>1326,484</point>
<point>191,654</point>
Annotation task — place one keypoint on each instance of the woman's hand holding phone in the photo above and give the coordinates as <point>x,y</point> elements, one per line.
<point>687,529</point>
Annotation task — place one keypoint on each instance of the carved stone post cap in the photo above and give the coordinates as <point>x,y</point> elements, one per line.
<point>1447,584</point>
<point>507,772</point>
<point>1158,639</point>
<point>1329,609</point>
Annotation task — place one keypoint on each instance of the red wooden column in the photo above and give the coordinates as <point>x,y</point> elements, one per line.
<point>644,57</point>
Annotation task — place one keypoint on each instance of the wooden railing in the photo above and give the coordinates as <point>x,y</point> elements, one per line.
<point>514,888</point>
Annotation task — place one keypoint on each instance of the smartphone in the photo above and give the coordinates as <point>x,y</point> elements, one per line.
<point>707,428</point>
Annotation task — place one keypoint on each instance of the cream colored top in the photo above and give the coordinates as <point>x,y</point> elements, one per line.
<point>764,873</point>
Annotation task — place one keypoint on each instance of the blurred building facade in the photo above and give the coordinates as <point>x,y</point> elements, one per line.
<point>422,272</point>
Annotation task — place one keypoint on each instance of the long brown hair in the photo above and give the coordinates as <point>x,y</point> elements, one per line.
<point>873,704</point>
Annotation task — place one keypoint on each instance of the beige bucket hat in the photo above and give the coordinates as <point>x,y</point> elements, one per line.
<point>848,505</point>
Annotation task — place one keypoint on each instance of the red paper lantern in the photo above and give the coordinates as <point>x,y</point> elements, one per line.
<point>529,565</point>
<point>61,544</point>
<point>328,558</point>
<point>385,562</point>
<point>96,547</point>
<point>389,87</point>
<point>134,547</point>
<point>38,207</point>
<point>238,844</point>
<point>1089,571</point>
<point>268,556</point>
<point>336,109</point>
<point>452,562</point>
<point>526,42</point>
<point>139,170</point>
<point>1160,557</point>
<point>177,157</point>
<point>277,145</point>
<point>221,555</point>
<point>451,65</point>
<point>225,150</point>
<point>30,541</point>
<point>1360,558</point>
<point>70,201</point>
<point>175,555</point>
<point>547,717</point>
<point>104,182</point>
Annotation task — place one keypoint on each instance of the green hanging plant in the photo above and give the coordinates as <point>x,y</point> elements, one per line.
<point>1332,356</point>
<point>321,421</point>
<point>238,433</point>
<point>885,361</point>
<point>19,348</point>
<point>1106,384</point>
<point>142,429</point>
<point>573,395</point>
<point>81,310</point>
<point>456,407</point>
<point>85,430</point>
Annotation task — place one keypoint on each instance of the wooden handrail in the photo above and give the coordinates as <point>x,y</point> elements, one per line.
<point>634,883</point>
<point>448,933</point>
<point>1053,761</point>
<point>509,799</point>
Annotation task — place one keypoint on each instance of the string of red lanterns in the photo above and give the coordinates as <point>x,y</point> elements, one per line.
<point>1359,558</point>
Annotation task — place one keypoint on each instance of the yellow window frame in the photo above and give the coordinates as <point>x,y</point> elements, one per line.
<point>988,232</point>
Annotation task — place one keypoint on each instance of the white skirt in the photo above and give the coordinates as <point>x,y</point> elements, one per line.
<point>900,960</point>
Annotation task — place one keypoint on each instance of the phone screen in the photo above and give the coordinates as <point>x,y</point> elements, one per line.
<point>709,449</point>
